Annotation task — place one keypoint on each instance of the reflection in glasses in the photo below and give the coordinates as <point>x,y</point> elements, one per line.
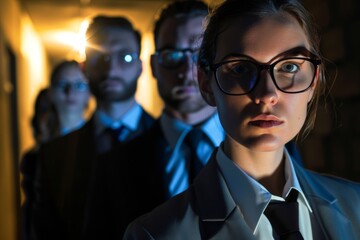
<point>290,75</point>
<point>122,58</point>
<point>78,86</point>
<point>173,58</point>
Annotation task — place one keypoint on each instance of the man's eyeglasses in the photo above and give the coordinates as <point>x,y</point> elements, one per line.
<point>290,75</point>
<point>78,86</point>
<point>122,58</point>
<point>173,58</point>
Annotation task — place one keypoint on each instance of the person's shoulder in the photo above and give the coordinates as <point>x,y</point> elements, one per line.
<point>150,136</point>
<point>86,128</point>
<point>171,218</point>
<point>338,185</point>
<point>146,119</point>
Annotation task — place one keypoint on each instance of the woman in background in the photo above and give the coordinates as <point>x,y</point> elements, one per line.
<point>58,110</point>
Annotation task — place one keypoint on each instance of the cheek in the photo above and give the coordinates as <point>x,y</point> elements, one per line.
<point>297,109</point>
<point>231,112</point>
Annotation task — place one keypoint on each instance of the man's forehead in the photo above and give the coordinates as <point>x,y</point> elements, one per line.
<point>109,35</point>
<point>176,30</point>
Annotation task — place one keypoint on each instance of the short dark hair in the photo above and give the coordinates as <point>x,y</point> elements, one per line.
<point>225,13</point>
<point>101,23</point>
<point>62,65</point>
<point>180,9</point>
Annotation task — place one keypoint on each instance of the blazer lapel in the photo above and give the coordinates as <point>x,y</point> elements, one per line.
<point>332,222</point>
<point>220,218</point>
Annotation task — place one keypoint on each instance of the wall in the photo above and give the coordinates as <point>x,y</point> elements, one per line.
<point>334,145</point>
<point>17,35</point>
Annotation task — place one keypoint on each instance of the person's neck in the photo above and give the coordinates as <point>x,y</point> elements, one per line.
<point>268,168</point>
<point>116,110</point>
<point>70,120</point>
<point>192,118</point>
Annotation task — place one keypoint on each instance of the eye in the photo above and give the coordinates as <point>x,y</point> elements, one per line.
<point>128,58</point>
<point>239,68</point>
<point>81,86</point>
<point>174,55</point>
<point>289,67</point>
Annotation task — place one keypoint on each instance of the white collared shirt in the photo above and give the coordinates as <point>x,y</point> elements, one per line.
<point>253,198</point>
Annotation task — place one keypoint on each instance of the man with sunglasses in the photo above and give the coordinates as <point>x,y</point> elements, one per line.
<point>66,164</point>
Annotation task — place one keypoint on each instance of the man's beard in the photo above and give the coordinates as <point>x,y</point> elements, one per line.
<point>108,95</point>
<point>185,106</point>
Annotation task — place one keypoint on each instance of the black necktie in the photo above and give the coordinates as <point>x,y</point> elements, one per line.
<point>284,218</point>
<point>192,140</point>
<point>116,133</point>
<point>108,138</point>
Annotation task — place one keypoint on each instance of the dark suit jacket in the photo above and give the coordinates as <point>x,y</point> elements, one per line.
<point>62,184</point>
<point>207,211</point>
<point>129,182</point>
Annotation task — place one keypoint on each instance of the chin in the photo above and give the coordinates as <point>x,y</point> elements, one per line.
<point>264,143</point>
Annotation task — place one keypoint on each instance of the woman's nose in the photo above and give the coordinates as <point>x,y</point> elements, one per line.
<point>265,91</point>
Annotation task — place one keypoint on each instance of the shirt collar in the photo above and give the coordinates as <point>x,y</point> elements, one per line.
<point>239,182</point>
<point>64,131</point>
<point>130,119</point>
<point>174,129</point>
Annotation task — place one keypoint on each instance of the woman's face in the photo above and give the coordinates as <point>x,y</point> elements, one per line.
<point>70,92</point>
<point>266,118</point>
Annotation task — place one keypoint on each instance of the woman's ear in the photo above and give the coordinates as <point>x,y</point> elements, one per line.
<point>205,87</point>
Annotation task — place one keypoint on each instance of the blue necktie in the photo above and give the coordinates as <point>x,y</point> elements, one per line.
<point>194,164</point>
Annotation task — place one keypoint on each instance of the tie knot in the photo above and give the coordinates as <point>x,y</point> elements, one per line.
<point>193,138</point>
<point>117,134</point>
<point>284,217</point>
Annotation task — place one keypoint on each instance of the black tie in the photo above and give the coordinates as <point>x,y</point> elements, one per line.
<point>192,140</point>
<point>116,133</point>
<point>284,218</point>
<point>108,138</point>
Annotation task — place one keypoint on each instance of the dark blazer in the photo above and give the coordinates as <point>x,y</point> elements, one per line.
<point>128,183</point>
<point>207,211</point>
<point>62,183</point>
<point>28,170</point>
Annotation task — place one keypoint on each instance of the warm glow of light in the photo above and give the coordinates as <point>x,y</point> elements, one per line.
<point>75,40</point>
<point>147,94</point>
<point>81,43</point>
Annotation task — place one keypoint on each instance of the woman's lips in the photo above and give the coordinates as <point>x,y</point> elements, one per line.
<point>266,121</point>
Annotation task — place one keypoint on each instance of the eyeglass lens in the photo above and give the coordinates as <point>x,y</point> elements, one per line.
<point>289,75</point>
<point>79,86</point>
<point>122,58</point>
<point>176,57</point>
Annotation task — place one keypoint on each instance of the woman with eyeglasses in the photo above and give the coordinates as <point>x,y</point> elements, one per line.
<point>259,64</point>
<point>69,93</point>
<point>58,110</point>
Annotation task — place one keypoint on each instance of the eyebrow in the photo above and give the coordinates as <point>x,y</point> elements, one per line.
<point>296,51</point>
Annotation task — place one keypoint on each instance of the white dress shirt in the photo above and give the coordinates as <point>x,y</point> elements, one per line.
<point>253,198</point>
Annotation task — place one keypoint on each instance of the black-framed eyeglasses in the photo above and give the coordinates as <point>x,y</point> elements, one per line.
<point>122,58</point>
<point>174,58</point>
<point>79,86</point>
<point>290,75</point>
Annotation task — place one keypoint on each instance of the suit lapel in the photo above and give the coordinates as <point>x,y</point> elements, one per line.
<point>220,218</point>
<point>332,222</point>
